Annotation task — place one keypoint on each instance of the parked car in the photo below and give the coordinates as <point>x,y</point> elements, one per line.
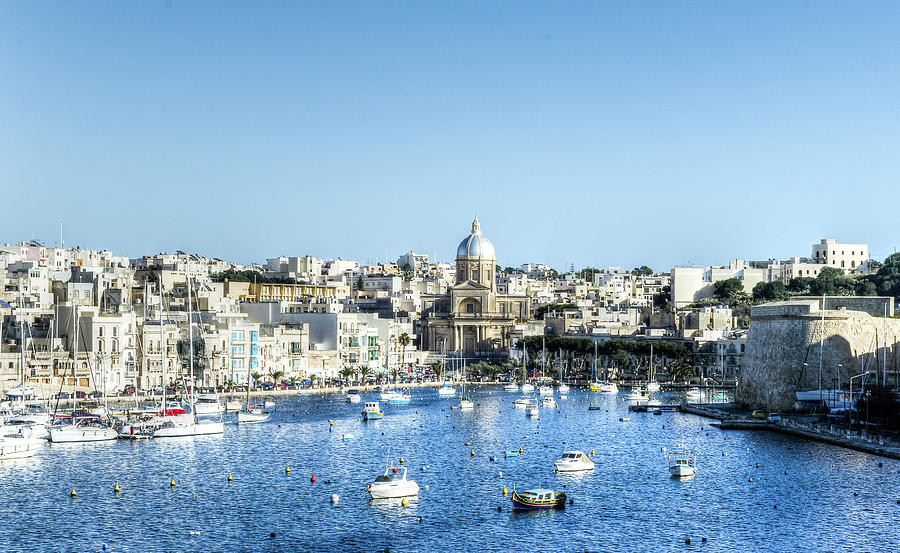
<point>96,394</point>
<point>758,414</point>
<point>128,390</point>
<point>773,418</point>
<point>158,390</point>
<point>80,395</point>
<point>63,395</point>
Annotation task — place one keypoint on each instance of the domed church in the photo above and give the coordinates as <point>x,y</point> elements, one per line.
<point>473,318</point>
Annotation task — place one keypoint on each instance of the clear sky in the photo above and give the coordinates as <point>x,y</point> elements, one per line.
<point>596,133</point>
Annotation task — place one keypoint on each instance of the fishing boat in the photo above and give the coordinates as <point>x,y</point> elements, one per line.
<point>537,498</point>
<point>573,461</point>
<point>372,412</point>
<point>353,396</point>
<point>682,463</point>
<point>393,484</point>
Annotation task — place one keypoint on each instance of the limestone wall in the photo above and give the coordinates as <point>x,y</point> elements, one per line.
<point>784,336</point>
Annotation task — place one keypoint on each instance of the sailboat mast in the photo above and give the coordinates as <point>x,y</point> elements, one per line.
<point>162,355</point>
<point>191,341</point>
<point>74,362</point>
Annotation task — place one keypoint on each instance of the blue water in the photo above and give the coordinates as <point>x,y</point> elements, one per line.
<point>801,498</point>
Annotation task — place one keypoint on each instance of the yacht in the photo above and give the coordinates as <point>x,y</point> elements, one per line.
<point>19,446</point>
<point>393,484</point>
<point>522,402</point>
<point>694,395</point>
<point>528,387</point>
<point>186,425</point>
<point>446,391</point>
<point>573,461</point>
<point>653,386</point>
<point>84,429</point>
<point>609,388</point>
<point>545,391</point>
<point>636,395</point>
<point>253,414</point>
<point>532,409</point>
<point>388,394</point>
<point>208,404</point>
<point>547,400</point>
<point>353,396</point>
<point>563,388</point>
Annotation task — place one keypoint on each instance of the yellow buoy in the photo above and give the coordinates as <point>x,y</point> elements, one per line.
<point>592,452</point>
<point>172,483</point>
<point>467,443</point>
<point>401,460</point>
<point>403,502</point>
<point>473,452</point>
<point>331,422</point>
<point>287,470</point>
<point>521,451</point>
<point>116,489</point>
<point>505,491</point>
<point>72,493</point>
<point>229,477</point>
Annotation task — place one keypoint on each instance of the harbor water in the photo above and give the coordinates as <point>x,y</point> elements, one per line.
<point>802,496</point>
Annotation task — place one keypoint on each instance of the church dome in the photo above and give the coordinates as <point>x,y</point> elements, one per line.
<point>475,245</point>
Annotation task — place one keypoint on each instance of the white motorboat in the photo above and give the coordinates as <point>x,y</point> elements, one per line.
<point>25,428</point>
<point>545,391</point>
<point>563,388</point>
<point>532,409</point>
<point>388,394</point>
<point>353,396</point>
<point>609,388</point>
<point>208,404</point>
<point>253,414</point>
<point>84,430</point>
<point>511,387</point>
<point>446,391</point>
<point>546,401</point>
<point>466,404</point>
<point>186,425</point>
<point>653,386</point>
<point>573,461</point>
<point>522,402</point>
<point>694,394</point>
<point>393,484</point>
<point>400,399</point>
<point>269,403</point>
<point>18,446</point>
<point>654,403</point>
<point>682,463</point>
<point>636,395</point>
<point>528,387</point>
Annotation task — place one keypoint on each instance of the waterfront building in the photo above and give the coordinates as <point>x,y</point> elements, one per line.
<point>473,318</point>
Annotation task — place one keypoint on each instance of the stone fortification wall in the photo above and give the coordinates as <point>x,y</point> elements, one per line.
<point>783,336</point>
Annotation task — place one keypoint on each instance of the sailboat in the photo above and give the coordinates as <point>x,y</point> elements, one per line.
<point>187,424</point>
<point>465,402</point>
<point>595,386</point>
<point>82,429</point>
<point>563,388</point>
<point>251,414</point>
<point>446,390</point>
<point>652,385</point>
<point>527,387</point>
<point>544,390</point>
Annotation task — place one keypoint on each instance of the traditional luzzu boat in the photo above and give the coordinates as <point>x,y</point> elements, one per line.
<point>372,411</point>
<point>537,498</point>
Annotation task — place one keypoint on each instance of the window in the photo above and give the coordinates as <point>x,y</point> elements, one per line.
<point>115,331</point>
<point>100,331</point>
<point>254,335</point>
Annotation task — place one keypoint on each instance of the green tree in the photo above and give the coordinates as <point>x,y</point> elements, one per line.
<point>662,299</point>
<point>364,371</point>
<point>408,272</point>
<point>256,377</point>
<point>360,284</point>
<point>347,373</point>
<point>728,290</point>
<point>770,291</point>
<point>799,286</point>
<point>552,274</point>
<point>832,282</point>
<point>438,368</point>
<point>404,340</point>
<point>276,376</point>
<point>643,270</point>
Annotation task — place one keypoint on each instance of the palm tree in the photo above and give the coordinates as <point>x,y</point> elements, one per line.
<point>347,372</point>
<point>364,371</point>
<point>438,368</point>
<point>312,380</point>
<point>276,376</point>
<point>395,373</point>
<point>256,378</point>
<point>293,380</point>
<point>404,340</point>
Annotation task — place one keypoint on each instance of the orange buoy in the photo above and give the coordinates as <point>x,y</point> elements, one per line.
<point>312,478</point>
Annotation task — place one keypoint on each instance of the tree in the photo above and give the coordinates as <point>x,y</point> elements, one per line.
<point>438,368</point>
<point>552,274</point>
<point>360,284</point>
<point>728,290</point>
<point>770,291</point>
<point>832,282</point>
<point>799,285</point>
<point>661,300</point>
<point>408,273</point>
<point>364,371</point>
<point>276,376</point>
<point>347,372</point>
<point>404,340</point>
<point>682,370</point>
<point>256,378</point>
<point>643,270</point>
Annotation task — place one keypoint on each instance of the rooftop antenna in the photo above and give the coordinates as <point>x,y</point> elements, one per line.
<point>62,245</point>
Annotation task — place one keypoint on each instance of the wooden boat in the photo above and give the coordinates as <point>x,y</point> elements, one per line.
<point>537,498</point>
<point>372,412</point>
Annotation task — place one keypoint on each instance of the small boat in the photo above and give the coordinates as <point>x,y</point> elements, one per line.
<point>596,386</point>
<point>636,395</point>
<point>547,401</point>
<point>372,412</point>
<point>347,437</point>
<point>446,391</point>
<point>537,498</point>
<point>657,412</point>
<point>400,399</point>
<point>388,394</point>
<point>393,484</point>
<point>353,396</point>
<point>232,405</point>
<point>545,391</point>
<point>653,386</point>
<point>512,453</point>
<point>573,461</point>
<point>186,425</point>
<point>609,388</point>
<point>532,409</point>
<point>624,419</point>
<point>20,391</point>
<point>527,387</point>
<point>85,429</point>
<point>654,403</point>
<point>563,388</point>
<point>682,463</point>
<point>522,402</point>
<point>253,414</point>
<point>466,403</point>
<point>208,404</point>
<point>593,407</point>
<point>511,387</point>
<point>269,403</point>
<point>694,394</point>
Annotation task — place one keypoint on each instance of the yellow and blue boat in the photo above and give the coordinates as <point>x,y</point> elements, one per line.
<point>537,498</point>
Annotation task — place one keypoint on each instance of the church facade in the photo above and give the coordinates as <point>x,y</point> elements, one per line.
<point>473,318</point>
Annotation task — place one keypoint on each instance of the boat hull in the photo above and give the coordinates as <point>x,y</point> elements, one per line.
<point>249,417</point>
<point>394,491</point>
<point>524,504</point>
<point>179,430</point>
<point>73,434</point>
<point>19,447</point>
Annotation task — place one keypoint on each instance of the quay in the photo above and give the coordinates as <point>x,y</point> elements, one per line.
<point>731,419</point>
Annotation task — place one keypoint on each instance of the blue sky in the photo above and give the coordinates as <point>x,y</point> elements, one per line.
<point>596,133</point>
